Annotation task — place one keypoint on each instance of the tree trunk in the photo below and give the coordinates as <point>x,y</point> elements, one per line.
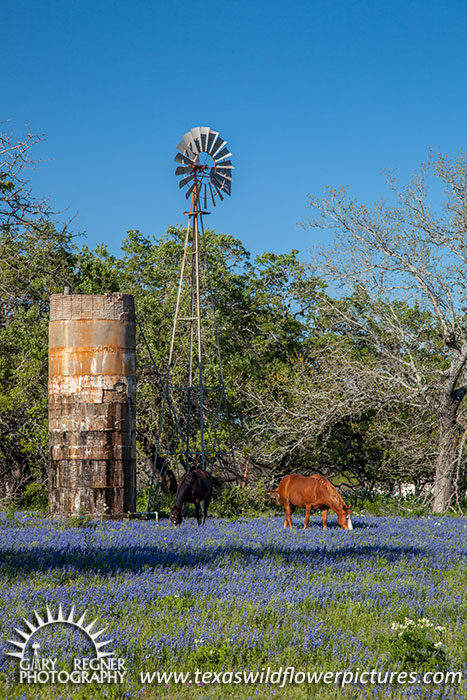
<point>447,454</point>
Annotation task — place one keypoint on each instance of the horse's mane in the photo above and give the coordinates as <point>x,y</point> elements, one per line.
<point>182,489</point>
<point>185,484</point>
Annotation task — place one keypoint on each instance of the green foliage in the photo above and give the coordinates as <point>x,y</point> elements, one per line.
<point>95,271</point>
<point>211,656</point>
<point>418,644</point>
<point>83,520</point>
<point>175,603</point>
<point>6,185</point>
<point>35,497</point>
<point>163,502</point>
<point>9,515</point>
<point>31,268</point>
<point>236,501</point>
<point>371,502</point>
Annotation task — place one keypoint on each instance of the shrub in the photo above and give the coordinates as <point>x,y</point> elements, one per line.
<point>385,503</point>
<point>418,643</point>
<point>237,501</point>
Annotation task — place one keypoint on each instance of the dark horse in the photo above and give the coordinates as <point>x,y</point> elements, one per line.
<point>194,487</point>
<point>310,492</point>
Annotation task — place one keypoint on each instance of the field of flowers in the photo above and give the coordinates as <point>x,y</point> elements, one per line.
<point>241,594</point>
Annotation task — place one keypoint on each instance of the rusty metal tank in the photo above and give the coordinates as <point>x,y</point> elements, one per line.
<point>92,404</point>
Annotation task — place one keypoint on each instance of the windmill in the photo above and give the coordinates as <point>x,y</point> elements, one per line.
<point>196,410</point>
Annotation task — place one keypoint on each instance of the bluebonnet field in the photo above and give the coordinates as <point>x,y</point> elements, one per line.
<point>234,595</point>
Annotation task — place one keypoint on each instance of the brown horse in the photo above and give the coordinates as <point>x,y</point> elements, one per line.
<point>310,492</point>
<point>194,487</point>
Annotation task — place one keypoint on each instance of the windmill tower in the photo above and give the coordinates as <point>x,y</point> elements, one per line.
<point>194,427</point>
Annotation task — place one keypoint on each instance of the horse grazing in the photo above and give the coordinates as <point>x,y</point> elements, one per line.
<point>310,492</point>
<point>194,487</point>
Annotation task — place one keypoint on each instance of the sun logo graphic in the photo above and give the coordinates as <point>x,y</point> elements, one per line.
<point>101,667</point>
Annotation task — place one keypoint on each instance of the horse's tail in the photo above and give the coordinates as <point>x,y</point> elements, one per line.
<point>273,494</point>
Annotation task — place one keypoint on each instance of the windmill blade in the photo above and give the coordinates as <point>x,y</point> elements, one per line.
<point>219,181</point>
<point>218,192</point>
<point>180,158</point>
<point>196,135</point>
<point>225,175</point>
<point>191,145</point>
<point>212,138</point>
<point>183,148</point>
<point>225,153</point>
<point>222,184</point>
<point>226,164</point>
<point>212,195</point>
<point>204,135</point>
<point>183,170</point>
<point>220,146</point>
<point>205,196</point>
<point>185,181</point>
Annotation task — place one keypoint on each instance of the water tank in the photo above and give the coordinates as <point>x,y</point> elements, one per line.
<point>92,404</point>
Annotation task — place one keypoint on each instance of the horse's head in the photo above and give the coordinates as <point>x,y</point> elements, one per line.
<point>274,495</point>
<point>176,516</point>
<point>343,518</point>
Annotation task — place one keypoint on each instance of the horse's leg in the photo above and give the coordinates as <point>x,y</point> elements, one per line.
<point>198,511</point>
<point>289,509</point>
<point>307,516</point>
<point>292,511</point>
<point>324,515</point>
<point>207,501</point>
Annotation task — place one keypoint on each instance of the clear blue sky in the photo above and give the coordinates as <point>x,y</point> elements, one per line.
<point>306,93</point>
